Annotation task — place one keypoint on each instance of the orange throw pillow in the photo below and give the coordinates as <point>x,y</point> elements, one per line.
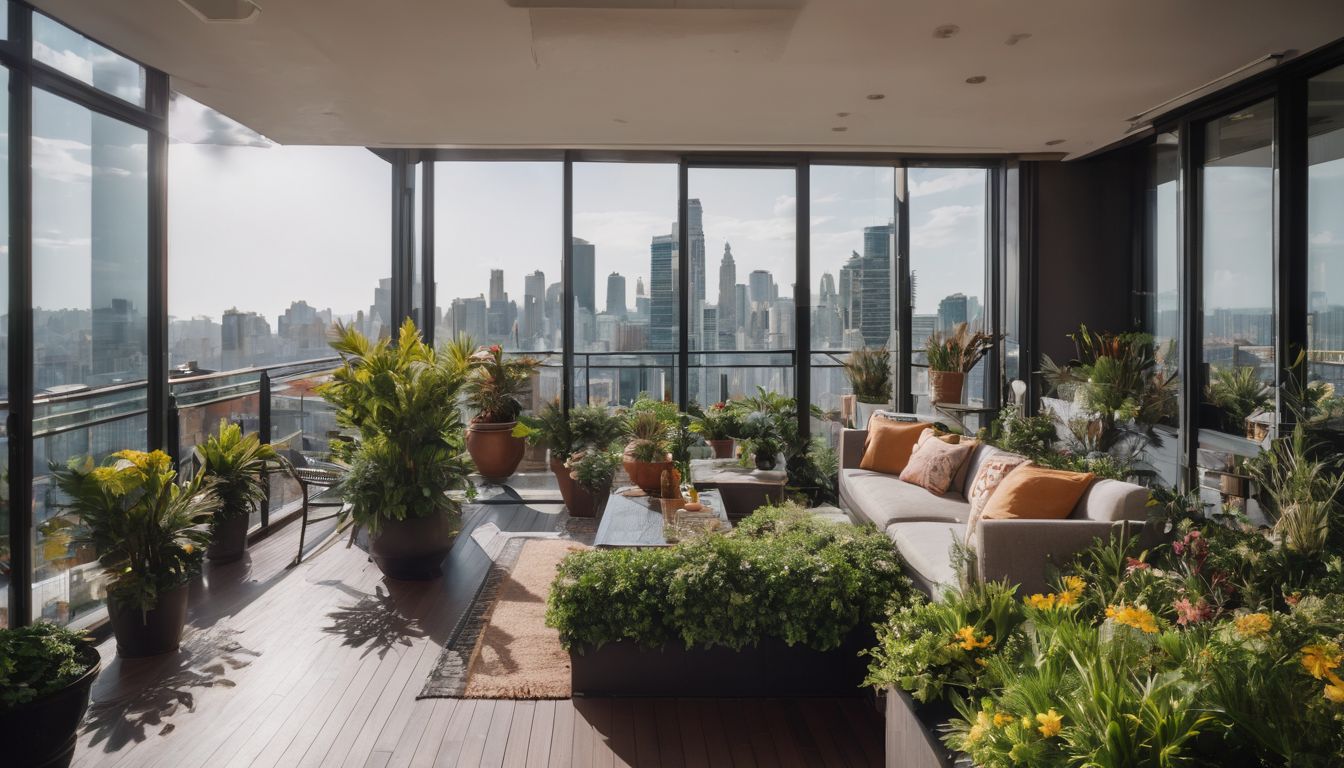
<point>890,443</point>
<point>1036,493</point>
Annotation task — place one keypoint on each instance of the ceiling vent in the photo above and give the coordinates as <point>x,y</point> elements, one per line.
<point>223,11</point>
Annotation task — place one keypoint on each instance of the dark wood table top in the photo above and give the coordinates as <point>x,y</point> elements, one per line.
<point>639,521</point>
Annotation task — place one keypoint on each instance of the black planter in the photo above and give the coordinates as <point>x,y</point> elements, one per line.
<point>153,632</point>
<point>766,461</point>
<point>41,733</point>
<point>228,538</point>
<point>768,669</point>
<point>412,549</point>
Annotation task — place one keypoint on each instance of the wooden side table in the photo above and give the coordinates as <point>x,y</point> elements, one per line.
<point>743,489</point>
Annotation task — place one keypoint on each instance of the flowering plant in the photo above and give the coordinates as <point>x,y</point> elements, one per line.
<point>148,530</point>
<point>494,384</point>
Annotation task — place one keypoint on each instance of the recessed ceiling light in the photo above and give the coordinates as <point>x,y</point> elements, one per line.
<point>876,96</point>
<point>1016,38</point>
<point>945,31</point>
<point>1053,142</point>
<point>620,120</point>
<point>976,79</point>
<point>842,114</point>
<point>839,129</point>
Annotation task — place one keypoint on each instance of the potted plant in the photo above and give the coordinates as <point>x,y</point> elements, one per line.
<point>237,465</point>
<point>586,426</point>
<point>492,388</point>
<point>592,471</point>
<point>149,533</point>
<point>646,454</point>
<point>408,451</point>
<point>1240,394</point>
<point>762,440</point>
<point>869,374</point>
<point>46,672</point>
<point>717,424</point>
<point>951,357</point>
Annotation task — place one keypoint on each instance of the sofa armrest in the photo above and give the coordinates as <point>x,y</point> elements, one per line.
<point>851,447</point>
<point>1022,551</point>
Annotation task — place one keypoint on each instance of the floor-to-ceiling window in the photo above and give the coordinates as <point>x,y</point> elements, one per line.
<point>5,575</point>
<point>1325,232</point>
<point>1161,298</point>
<point>625,257</point>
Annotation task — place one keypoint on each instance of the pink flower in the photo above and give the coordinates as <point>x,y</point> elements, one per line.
<point>1133,564</point>
<point>1193,545</point>
<point>1191,613</point>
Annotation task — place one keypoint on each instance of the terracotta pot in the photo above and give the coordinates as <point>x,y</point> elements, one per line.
<point>42,732</point>
<point>589,503</point>
<point>414,548</point>
<point>228,538</point>
<point>723,449</point>
<point>494,449</point>
<point>153,632</point>
<point>566,483</point>
<point>946,386</point>
<point>648,475</point>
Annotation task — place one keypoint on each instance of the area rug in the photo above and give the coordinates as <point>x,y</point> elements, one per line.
<point>502,648</point>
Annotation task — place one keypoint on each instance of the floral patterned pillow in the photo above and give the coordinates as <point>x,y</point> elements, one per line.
<point>934,464</point>
<point>992,472</point>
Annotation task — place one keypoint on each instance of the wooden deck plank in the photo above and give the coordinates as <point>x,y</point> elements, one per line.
<point>539,742</point>
<point>562,735</point>
<point>716,740</point>
<point>520,734</point>
<point>622,735</point>
<point>692,734</point>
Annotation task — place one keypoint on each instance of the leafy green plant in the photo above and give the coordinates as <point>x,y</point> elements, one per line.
<point>495,382</point>
<point>237,465</point>
<point>149,532</point>
<point>38,660</point>
<point>959,350</point>
<point>869,374</point>
<point>717,422</point>
<point>409,450</point>
<point>584,427</point>
<point>1299,491</point>
<point>780,574</point>
<point>1239,392</point>
<point>594,468</point>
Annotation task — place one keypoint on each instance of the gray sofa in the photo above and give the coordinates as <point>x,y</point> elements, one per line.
<point>924,526</point>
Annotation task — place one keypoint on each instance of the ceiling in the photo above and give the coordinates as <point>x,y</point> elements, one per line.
<point>749,74</point>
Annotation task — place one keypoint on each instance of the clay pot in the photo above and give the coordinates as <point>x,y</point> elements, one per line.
<point>566,484</point>
<point>413,548</point>
<point>648,475</point>
<point>723,449</point>
<point>42,732</point>
<point>153,632</point>
<point>946,386</point>
<point>589,503</point>
<point>494,449</point>
<point>228,538</point>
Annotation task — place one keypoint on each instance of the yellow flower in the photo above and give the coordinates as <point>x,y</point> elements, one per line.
<point>1074,584</point>
<point>1002,719</point>
<point>968,641</point>
<point>1026,721</point>
<point>1066,598</point>
<point>1321,659</point>
<point>1135,616</point>
<point>1040,602</point>
<point>982,723</point>
<point>1253,624</point>
<point>188,548</point>
<point>1051,723</point>
<point>1335,693</point>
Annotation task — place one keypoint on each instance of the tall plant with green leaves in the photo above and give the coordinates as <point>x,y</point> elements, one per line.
<point>1239,392</point>
<point>494,384</point>
<point>237,465</point>
<point>586,426</point>
<point>149,531</point>
<point>959,350</point>
<point>869,374</point>
<point>401,403</point>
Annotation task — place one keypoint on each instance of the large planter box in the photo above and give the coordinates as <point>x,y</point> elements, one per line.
<point>768,669</point>
<point>912,733</point>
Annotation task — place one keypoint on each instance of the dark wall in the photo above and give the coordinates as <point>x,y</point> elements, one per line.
<point>1085,249</point>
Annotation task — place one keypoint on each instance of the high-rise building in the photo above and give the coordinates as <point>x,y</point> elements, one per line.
<point>497,286</point>
<point>534,294</point>
<point>244,339</point>
<point>952,310</point>
<point>850,290</point>
<point>875,300</point>
<point>758,286</point>
<point>616,294</point>
<point>584,255</point>
<point>921,328</point>
<point>695,232</point>
<point>727,307</point>
<point>663,288</point>
<point>641,299</point>
<point>467,316</point>
<point>709,328</point>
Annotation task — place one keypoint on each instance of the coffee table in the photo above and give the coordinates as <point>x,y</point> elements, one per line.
<point>638,521</point>
<point>744,489</point>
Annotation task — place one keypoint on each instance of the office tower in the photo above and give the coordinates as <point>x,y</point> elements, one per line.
<point>695,232</point>
<point>710,328</point>
<point>727,308</point>
<point>554,312</point>
<point>380,312</point>
<point>742,307</point>
<point>663,287</point>
<point>534,293</point>
<point>951,311</point>
<point>921,328</point>
<point>500,312</point>
<point>497,286</point>
<point>244,339</point>
<point>584,255</point>
<point>782,324</point>
<point>616,294</point>
<point>850,289</point>
<point>467,316</point>
<point>302,331</point>
<point>875,301</point>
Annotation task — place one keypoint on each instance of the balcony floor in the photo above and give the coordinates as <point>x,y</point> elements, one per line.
<point>319,665</point>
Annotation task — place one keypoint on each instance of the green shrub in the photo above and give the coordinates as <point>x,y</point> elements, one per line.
<point>780,574</point>
<point>38,660</point>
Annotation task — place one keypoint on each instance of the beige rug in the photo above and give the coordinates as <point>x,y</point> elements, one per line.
<point>517,655</point>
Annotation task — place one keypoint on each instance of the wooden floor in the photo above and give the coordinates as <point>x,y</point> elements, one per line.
<point>319,665</point>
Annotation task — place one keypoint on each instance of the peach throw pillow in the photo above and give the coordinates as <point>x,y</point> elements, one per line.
<point>993,469</point>
<point>890,443</point>
<point>934,464</point>
<point>1037,493</point>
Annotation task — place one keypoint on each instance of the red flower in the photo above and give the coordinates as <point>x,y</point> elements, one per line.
<point>495,349</point>
<point>1133,564</point>
<point>1191,613</point>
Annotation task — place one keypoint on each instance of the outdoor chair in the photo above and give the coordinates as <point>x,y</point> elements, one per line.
<point>317,480</point>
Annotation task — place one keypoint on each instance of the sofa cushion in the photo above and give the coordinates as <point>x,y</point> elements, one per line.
<point>881,499</point>
<point>926,548</point>
<point>993,468</point>
<point>981,452</point>
<point>1112,500</point>
<point>934,464</point>
<point>1030,492</point>
<point>889,444</point>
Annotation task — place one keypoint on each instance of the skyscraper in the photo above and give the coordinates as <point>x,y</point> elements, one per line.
<point>534,296</point>
<point>695,232</point>
<point>641,299</point>
<point>727,309</point>
<point>663,287</point>
<point>851,289</point>
<point>951,311</point>
<point>875,301</point>
<point>615,294</point>
<point>497,286</point>
<point>584,254</point>
<point>758,286</point>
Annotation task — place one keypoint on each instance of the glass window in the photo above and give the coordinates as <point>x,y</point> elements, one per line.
<point>270,245</point>
<point>1238,270</point>
<point>852,232</point>
<point>64,49</point>
<point>90,262</point>
<point>741,227</point>
<point>1325,229</point>
<point>947,267</point>
<point>1161,298</point>
<point>624,270</point>
<point>4,350</point>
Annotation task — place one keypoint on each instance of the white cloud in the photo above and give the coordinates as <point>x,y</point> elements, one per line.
<point>785,205</point>
<point>55,159</point>
<point>1325,237</point>
<point>945,181</point>
<point>948,225</point>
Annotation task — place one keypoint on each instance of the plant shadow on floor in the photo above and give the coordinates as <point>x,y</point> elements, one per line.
<point>162,687</point>
<point>375,621</point>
